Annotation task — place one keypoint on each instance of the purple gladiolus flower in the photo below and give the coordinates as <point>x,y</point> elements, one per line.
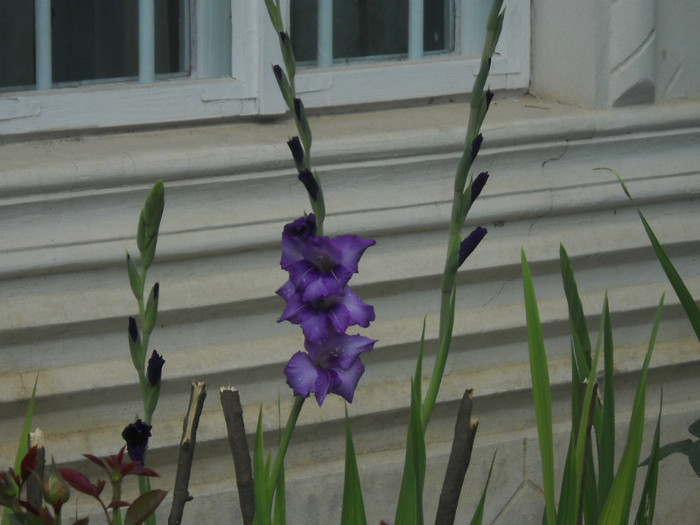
<point>136,436</point>
<point>319,320</point>
<point>155,368</point>
<point>469,244</point>
<point>320,267</point>
<point>333,366</point>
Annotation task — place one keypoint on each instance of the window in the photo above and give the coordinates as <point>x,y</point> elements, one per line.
<point>72,64</point>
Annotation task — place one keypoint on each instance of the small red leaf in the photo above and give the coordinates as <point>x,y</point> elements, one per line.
<point>116,504</point>
<point>28,463</point>
<point>81,482</point>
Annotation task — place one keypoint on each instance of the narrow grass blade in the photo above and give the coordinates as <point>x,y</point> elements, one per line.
<point>617,506</point>
<point>577,318</point>
<point>540,390</point>
<point>353,512</point>
<point>410,505</point>
<point>689,305</point>
<point>260,475</point>
<point>575,483</point>
<point>280,506</point>
<point>645,513</point>
<point>606,431</point>
<point>23,445</point>
<point>479,511</point>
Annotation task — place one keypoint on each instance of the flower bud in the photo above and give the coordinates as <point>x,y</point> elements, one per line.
<point>136,436</point>
<point>469,244</point>
<point>297,150</point>
<point>478,184</point>
<point>56,490</point>
<point>476,145</point>
<point>133,330</point>
<point>309,181</point>
<point>155,366</point>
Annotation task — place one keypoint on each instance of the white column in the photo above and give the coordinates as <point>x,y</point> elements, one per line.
<point>415,29</point>
<point>42,40</point>
<point>324,50</point>
<point>147,41</point>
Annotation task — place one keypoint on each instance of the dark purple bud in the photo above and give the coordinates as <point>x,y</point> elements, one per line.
<point>298,108</point>
<point>155,367</point>
<point>136,436</point>
<point>476,145</point>
<point>470,243</point>
<point>133,330</point>
<point>283,37</point>
<point>309,181</point>
<point>277,70</point>
<point>478,184</point>
<point>156,291</point>
<point>489,98</point>
<point>297,150</point>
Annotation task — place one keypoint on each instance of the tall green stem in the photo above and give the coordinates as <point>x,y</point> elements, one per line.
<point>284,441</point>
<point>461,202</point>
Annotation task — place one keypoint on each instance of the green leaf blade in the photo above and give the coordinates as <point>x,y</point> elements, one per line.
<point>353,511</point>
<point>540,389</point>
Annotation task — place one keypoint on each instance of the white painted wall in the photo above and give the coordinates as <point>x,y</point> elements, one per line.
<point>602,53</point>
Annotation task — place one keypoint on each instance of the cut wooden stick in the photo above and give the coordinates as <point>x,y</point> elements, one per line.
<point>462,444</point>
<point>34,483</point>
<point>233,414</point>
<point>181,493</point>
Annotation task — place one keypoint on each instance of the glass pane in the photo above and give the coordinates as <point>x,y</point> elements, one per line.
<point>369,28</point>
<point>16,43</point>
<point>90,40</point>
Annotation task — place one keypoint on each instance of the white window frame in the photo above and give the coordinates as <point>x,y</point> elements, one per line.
<point>252,90</point>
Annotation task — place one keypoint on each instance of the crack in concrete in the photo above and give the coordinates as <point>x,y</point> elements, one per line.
<point>551,201</point>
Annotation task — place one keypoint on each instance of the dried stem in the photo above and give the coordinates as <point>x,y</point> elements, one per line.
<point>181,494</point>
<point>233,414</point>
<point>462,444</point>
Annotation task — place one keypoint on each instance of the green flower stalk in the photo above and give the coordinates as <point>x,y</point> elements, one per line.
<point>464,196</point>
<point>149,374</point>
<point>300,145</point>
<point>146,240</point>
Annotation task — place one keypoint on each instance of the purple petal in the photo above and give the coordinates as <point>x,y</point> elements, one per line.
<point>323,385</point>
<point>316,326</point>
<point>352,247</point>
<point>350,310</point>
<point>339,350</point>
<point>294,236</point>
<point>302,374</point>
<point>348,380</point>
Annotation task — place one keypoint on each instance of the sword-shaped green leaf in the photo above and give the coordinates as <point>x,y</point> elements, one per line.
<point>540,390</point>
<point>616,509</point>
<point>353,512</point>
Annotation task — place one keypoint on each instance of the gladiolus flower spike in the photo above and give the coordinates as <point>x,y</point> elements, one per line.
<point>321,302</point>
